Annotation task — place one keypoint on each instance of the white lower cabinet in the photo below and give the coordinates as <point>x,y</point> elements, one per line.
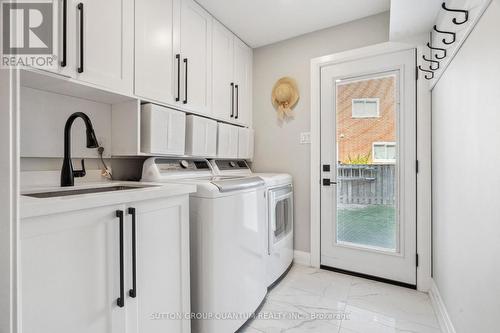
<point>201,136</point>
<point>227,141</point>
<point>162,130</point>
<point>72,273</point>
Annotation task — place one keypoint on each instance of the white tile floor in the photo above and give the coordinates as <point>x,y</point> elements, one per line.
<point>319,301</point>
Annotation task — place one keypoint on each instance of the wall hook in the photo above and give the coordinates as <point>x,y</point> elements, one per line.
<point>465,12</point>
<point>454,35</point>
<point>427,71</point>
<point>437,49</point>
<point>432,62</point>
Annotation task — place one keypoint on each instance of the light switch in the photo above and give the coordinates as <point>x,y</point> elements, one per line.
<point>305,138</point>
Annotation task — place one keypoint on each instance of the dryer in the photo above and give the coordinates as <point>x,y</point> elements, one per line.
<point>227,241</point>
<point>279,216</point>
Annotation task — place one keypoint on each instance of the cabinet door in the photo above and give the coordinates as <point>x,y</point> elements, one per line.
<point>201,136</point>
<point>243,80</point>
<point>163,284</point>
<point>108,37</point>
<point>245,143</point>
<point>222,72</point>
<point>70,273</point>
<point>157,63</point>
<point>64,63</point>
<point>196,35</point>
<point>163,130</point>
<point>227,141</point>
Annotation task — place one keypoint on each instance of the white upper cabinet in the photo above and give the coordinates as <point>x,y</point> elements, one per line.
<point>243,82</point>
<point>196,54</point>
<point>104,34</point>
<point>157,58</point>
<point>96,42</point>
<point>201,136</point>
<point>162,130</point>
<point>232,77</point>
<point>227,141</point>
<point>245,143</point>
<point>222,72</point>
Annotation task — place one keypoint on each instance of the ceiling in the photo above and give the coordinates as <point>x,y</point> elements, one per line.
<point>409,18</point>
<point>262,22</point>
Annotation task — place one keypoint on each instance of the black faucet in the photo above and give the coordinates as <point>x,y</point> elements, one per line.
<point>67,172</point>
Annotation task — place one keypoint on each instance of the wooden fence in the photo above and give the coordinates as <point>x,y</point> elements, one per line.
<point>372,184</point>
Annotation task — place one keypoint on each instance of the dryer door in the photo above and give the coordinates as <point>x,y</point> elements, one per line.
<point>280,213</point>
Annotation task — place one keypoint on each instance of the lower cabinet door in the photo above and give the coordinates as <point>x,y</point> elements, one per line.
<point>70,273</point>
<point>162,266</point>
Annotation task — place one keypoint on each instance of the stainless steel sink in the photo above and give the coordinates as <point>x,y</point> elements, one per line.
<point>65,193</point>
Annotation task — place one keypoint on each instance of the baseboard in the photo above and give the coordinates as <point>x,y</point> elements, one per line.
<point>302,258</point>
<point>440,309</point>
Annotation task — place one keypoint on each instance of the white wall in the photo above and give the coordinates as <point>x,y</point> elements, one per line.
<point>466,180</point>
<point>43,116</point>
<point>277,146</point>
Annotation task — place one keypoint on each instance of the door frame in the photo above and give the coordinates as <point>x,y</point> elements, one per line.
<point>423,155</point>
<point>9,203</point>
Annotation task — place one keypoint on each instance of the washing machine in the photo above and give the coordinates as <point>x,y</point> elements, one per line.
<point>279,216</point>
<point>227,240</point>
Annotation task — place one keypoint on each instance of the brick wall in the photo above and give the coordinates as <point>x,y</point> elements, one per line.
<point>356,135</point>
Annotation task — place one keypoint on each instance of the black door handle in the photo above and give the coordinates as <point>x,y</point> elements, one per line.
<point>80,8</point>
<point>64,32</point>
<point>186,83</point>
<point>232,100</point>
<point>237,102</point>
<point>178,57</point>
<point>121,300</point>
<point>328,182</point>
<point>133,292</point>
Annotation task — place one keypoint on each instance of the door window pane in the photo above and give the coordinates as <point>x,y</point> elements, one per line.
<point>366,168</point>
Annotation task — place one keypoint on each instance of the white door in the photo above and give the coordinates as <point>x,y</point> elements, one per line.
<point>196,42</point>
<point>157,58</point>
<point>70,273</point>
<point>105,43</point>
<point>368,158</point>
<point>162,265</point>
<point>222,72</point>
<point>243,82</point>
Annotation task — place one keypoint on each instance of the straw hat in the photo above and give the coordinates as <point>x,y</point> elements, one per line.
<point>284,97</point>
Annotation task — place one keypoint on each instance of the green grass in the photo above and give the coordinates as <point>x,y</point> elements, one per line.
<point>372,225</point>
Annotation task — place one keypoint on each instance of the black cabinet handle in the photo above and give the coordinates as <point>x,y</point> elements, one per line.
<point>133,292</point>
<point>80,8</point>
<point>178,57</point>
<point>64,32</point>
<point>121,300</point>
<point>232,99</point>
<point>186,82</point>
<point>237,102</point>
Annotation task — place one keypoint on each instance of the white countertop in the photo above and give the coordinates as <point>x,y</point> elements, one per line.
<point>32,207</point>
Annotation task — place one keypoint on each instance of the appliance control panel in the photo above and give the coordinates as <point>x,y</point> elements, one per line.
<point>231,165</point>
<point>181,165</point>
<point>157,169</point>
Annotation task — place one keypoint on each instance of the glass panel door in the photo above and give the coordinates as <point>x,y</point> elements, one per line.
<point>368,178</point>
